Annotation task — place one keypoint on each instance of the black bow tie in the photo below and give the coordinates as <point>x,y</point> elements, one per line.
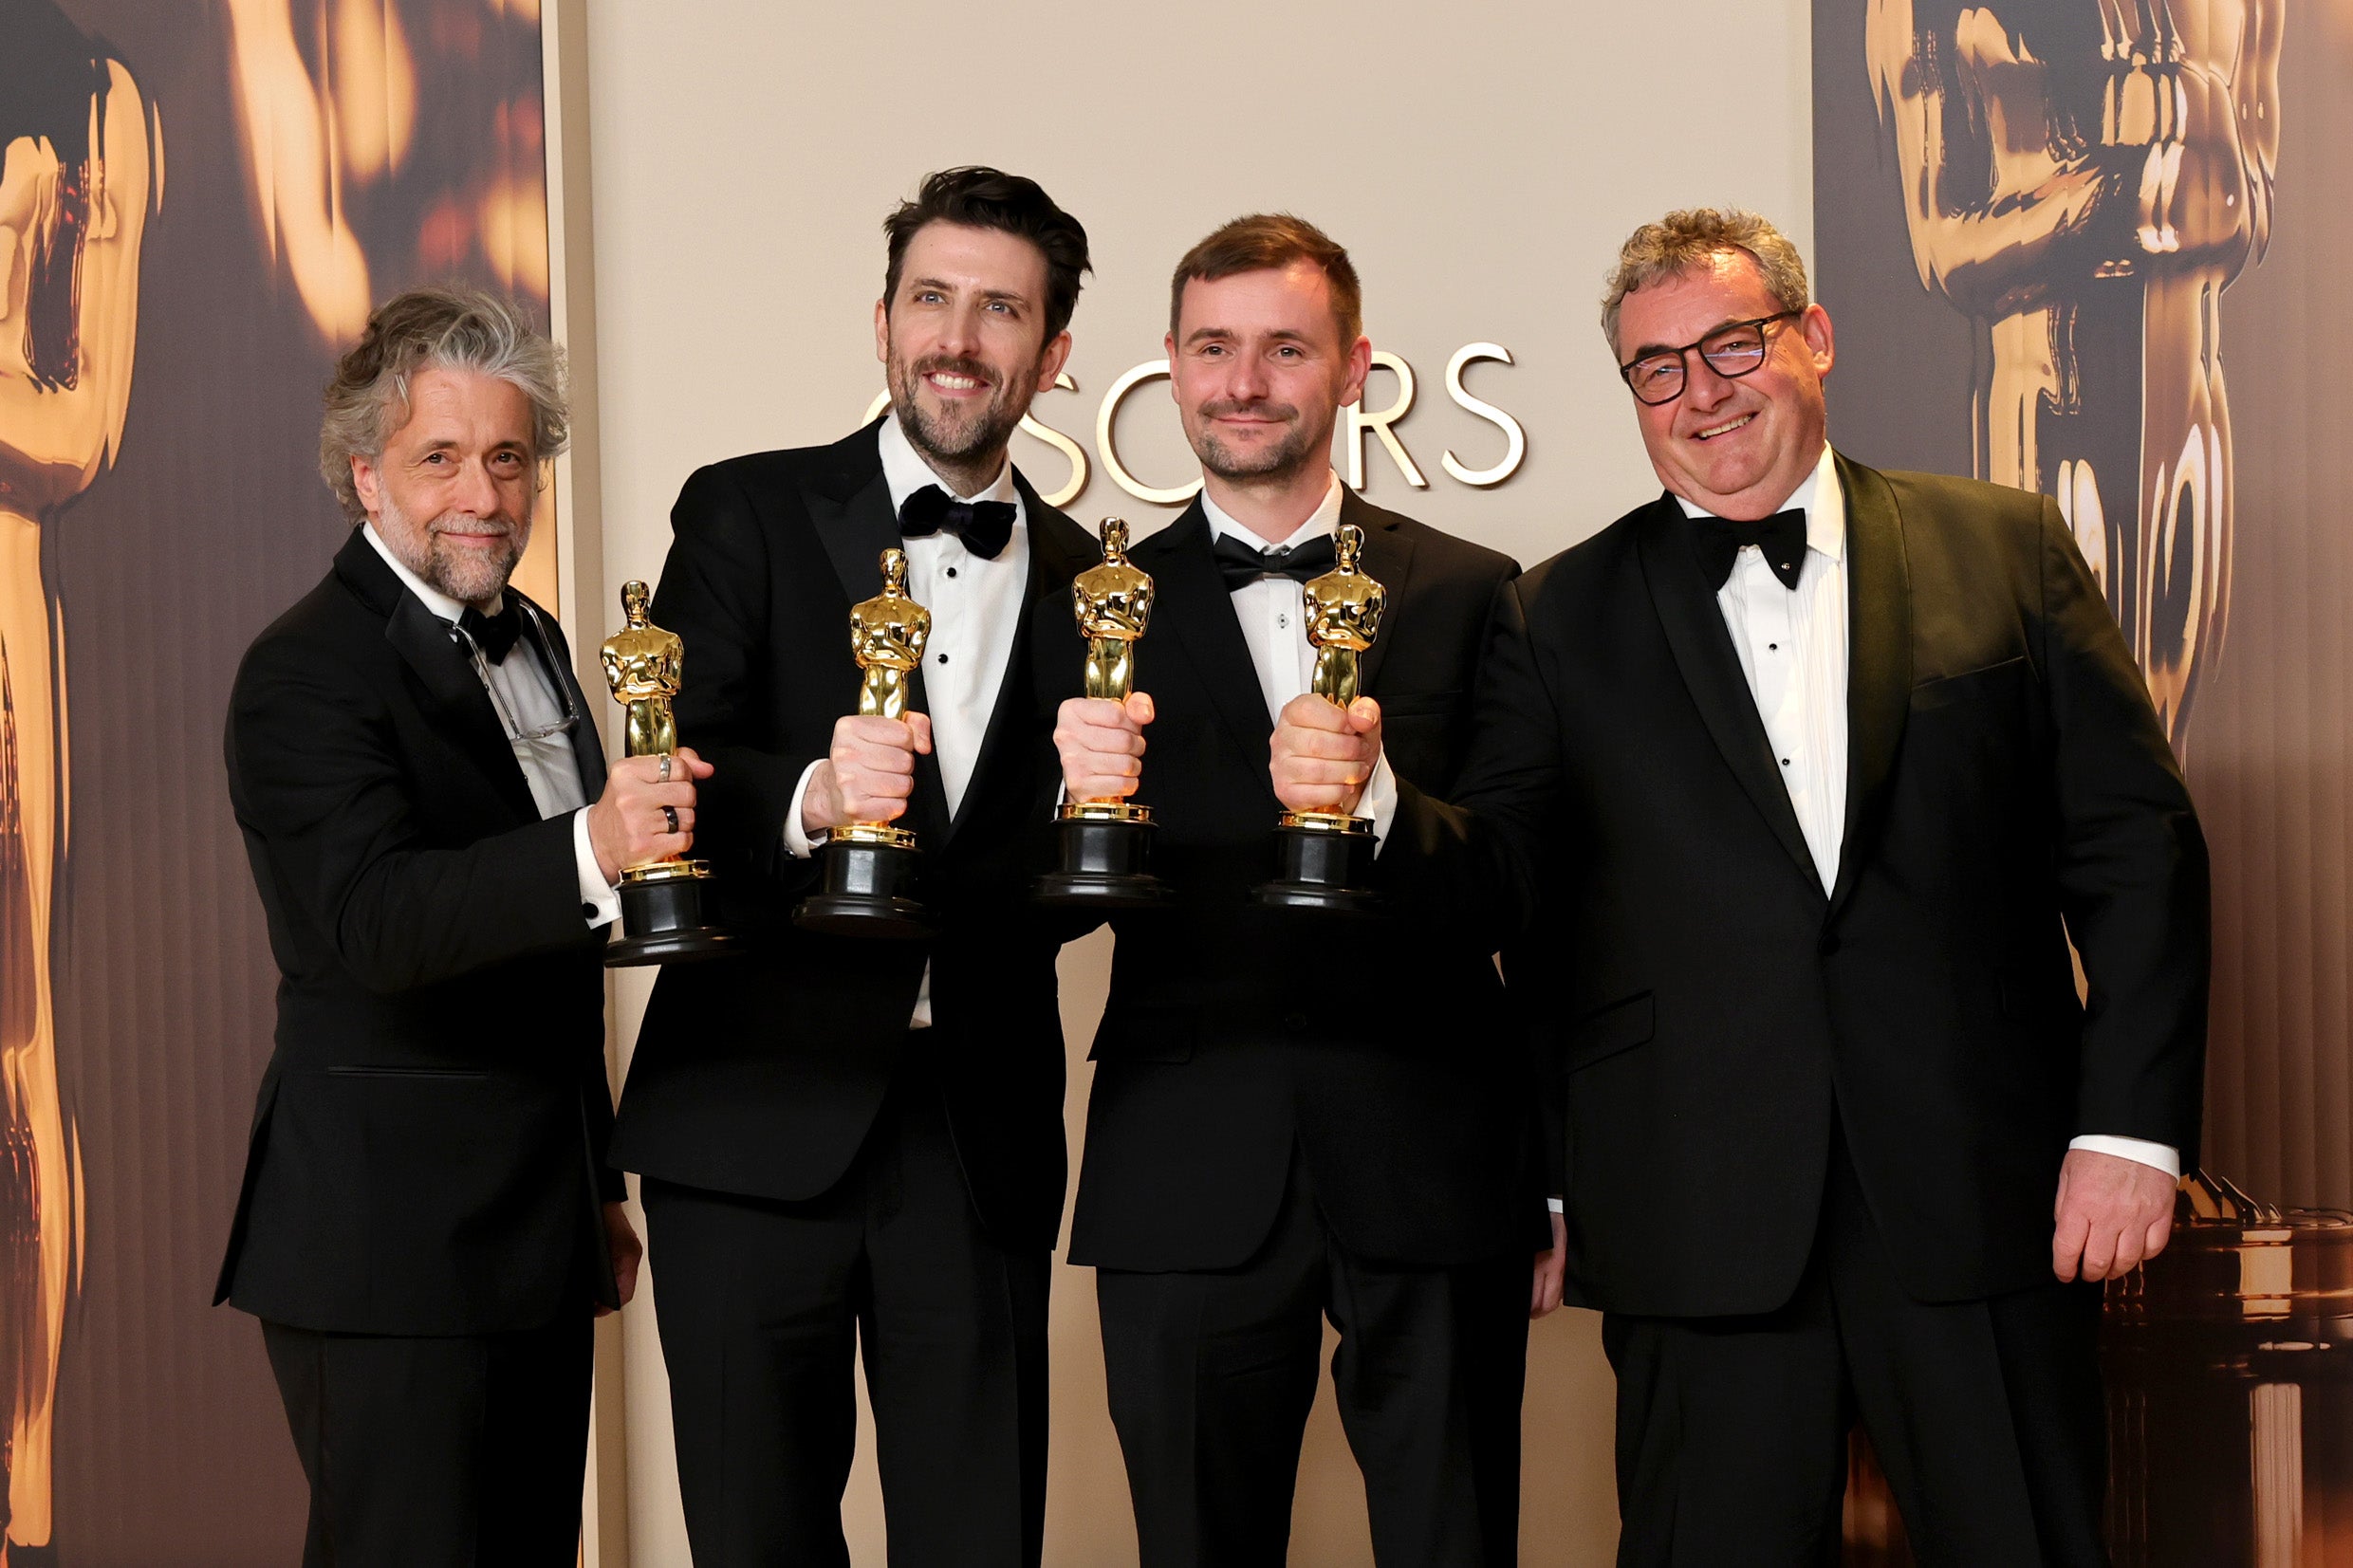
<point>1781,538</point>
<point>984,525</point>
<point>1242,564</point>
<point>494,634</point>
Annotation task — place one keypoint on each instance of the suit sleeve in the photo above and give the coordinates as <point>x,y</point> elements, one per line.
<point>2132,868</point>
<point>319,780</point>
<point>715,595</point>
<point>1470,864</point>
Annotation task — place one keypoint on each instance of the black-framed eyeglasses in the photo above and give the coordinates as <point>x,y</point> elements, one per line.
<point>1731,350</point>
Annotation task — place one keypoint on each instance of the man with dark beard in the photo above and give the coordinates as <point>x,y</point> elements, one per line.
<point>847,1142</point>
<point>425,1229</point>
<point>1293,1121</point>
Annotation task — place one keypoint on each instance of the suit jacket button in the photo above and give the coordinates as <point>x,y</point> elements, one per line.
<point>1829,943</point>
<point>1295,1023</point>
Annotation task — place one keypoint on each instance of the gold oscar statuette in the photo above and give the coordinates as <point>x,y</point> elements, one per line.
<point>870,867</point>
<point>1105,845</point>
<point>1327,857</point>
<point>662,901</point>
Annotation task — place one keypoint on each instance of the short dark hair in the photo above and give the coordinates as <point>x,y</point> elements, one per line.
<point>1264,241</point>
<point>981,197</point>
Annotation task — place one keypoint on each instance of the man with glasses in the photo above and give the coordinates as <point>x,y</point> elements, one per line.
<point>1792,787</point>
<point>426,1227</point>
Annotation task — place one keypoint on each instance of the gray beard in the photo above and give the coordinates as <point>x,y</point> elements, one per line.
<point>465,579</point>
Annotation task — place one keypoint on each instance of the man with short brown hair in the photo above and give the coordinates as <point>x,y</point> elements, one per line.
<point>849,1145</point>
<point>1294,1121</point>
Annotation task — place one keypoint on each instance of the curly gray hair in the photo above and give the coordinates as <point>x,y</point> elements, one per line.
<point>435,328</point>
<point>1685,238</point>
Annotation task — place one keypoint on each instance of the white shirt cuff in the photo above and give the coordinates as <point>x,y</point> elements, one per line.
<point>1556,1205</point>
<point>797,842</point>
<point>1379,799</point>
<point>2160,1156</point>
<point>599,904</point>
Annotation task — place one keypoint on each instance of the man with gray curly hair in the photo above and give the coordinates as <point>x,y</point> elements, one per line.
<point>426,1227</point>
<point>1795,785</point>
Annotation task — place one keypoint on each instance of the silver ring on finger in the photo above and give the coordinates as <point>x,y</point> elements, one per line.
<point>663,777</point>
<point>670,815</point>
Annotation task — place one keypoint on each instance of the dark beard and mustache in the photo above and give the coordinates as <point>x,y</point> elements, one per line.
<point>467,578</point>
<point>1280,461</point>
<point>944,437</point>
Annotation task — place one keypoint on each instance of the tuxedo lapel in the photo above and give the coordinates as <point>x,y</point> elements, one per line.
<point>1388,559</point>
<point>455,699</point>
<point>1879,676</point>
<point>1008,734</point>
<point>1197,611</point>
<point>1711,670</point>
<point>849,504</point>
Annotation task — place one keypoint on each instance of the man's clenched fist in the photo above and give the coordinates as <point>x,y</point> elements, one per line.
<point>1102,745</point>
<point>629,824</point>
<point>868,774</point>
<point>1322,754</point>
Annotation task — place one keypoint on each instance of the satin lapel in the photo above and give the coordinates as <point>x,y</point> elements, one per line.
<point>1879,669</point>
<point>456,699</point>
<point>1196,613</point>
<point>856,530</point>
<point>1388,559</point>
<point>1007,732</point>
<point>1711,670</point>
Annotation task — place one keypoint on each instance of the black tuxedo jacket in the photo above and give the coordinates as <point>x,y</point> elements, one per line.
<point>1714,1014</point>
<point>428,1150</point>
<point>761,1074</point>
<point>1382,1050</point>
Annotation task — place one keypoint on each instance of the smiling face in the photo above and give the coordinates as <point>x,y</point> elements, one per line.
<point>1260,373</point>
<point>450,494</point>
<point>963,340</point>
<point>1738,447</point>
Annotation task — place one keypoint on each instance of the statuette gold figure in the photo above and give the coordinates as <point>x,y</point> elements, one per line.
<point>661,900</point>
<point>870,867</point>
<point>1327,857</point>
<point>1105,844</point>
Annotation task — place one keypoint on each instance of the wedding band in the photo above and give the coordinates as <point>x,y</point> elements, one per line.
<point>663,777</point>
<point>670,815</point>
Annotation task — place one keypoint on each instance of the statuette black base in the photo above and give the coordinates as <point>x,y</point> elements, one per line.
<point>662,919</point>
<point>1106,854</point>
<point>1324,860</point>
<point>869,889</point>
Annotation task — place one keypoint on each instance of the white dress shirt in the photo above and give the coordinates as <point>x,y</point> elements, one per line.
<point>526,698</point>
<point>1273,613</point>
<point>1792,644</point>
<point>975,605</point>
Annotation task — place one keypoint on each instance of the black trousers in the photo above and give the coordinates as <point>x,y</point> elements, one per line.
<point>763,1304</point>
<point>1986,1415</point>
<point>1211,1376</point>
<point>464,1452</point>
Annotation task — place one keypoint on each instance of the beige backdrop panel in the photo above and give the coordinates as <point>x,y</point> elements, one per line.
<point>1481,162</point>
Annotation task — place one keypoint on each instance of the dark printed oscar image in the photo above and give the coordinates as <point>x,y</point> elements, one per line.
<point>1324,859</point>
<point>870,867</point>
<point>662,901</point>
<point>2044,227</point>
<point>199,204</point>
<point>1104,847</point>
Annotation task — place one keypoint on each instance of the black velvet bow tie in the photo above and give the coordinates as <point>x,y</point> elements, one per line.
<point>494,634</point>
<point>984,525</point>
<point>1718,541</point>
<point>1242,564</point>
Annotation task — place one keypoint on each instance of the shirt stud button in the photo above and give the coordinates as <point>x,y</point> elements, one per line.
<point>943,658</point>
<point>952,571</point>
